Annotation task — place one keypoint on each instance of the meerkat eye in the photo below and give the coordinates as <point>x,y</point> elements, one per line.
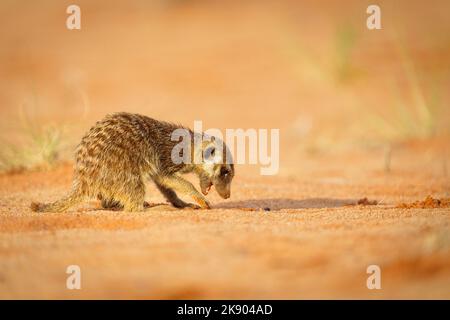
<point>224,171</point>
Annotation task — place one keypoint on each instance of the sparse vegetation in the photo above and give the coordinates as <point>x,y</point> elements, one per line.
<point>412,115</point>
<point>41,147</point>
<point>344,43</point>
<point>407,120</point>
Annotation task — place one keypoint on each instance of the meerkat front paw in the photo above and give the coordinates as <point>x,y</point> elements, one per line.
<point>204,204</point>
<point>180,204</point>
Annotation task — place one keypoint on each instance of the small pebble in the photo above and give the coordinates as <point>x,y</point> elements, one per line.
<point>266,209</point>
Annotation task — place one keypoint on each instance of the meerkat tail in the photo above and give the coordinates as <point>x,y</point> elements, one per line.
<point>58,206</point>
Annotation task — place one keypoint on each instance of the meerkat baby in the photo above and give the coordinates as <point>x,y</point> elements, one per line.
<point>121,152</point>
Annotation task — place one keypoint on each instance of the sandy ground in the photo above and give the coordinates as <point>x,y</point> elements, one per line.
<point>314,243</point>
<point>262,64</point>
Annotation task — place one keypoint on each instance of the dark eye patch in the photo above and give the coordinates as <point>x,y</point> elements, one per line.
<point>210,153</point>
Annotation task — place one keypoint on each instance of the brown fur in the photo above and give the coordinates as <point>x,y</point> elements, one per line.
<point>117,156</point>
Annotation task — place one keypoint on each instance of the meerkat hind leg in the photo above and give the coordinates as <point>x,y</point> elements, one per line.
<point>133,196</point>
<point>133,203</point>
<point>111,204</point>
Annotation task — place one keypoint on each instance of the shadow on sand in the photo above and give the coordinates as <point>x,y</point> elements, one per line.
<point>256,204</point>
<point>283,203</point>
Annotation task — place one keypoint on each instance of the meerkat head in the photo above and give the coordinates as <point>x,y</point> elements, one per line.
<point>217,168</point>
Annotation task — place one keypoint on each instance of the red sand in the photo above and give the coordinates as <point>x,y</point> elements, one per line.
<point>264,64</point>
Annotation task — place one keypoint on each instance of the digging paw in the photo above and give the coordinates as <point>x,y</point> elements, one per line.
<point>202,203</point>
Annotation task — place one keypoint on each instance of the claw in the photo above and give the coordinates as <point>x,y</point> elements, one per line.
<point>202,202</point>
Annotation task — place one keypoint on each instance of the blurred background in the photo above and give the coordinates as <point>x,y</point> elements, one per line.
<point>364,119</point>
<point>340,93</point>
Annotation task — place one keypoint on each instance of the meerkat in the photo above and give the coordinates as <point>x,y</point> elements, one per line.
<point>122,151</point>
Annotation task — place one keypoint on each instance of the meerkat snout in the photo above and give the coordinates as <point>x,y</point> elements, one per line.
<point>216,171</point>
<point>222,179</point>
